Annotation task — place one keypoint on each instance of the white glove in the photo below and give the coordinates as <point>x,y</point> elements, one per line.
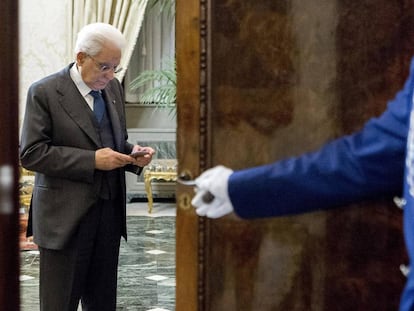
<point>215,181</point>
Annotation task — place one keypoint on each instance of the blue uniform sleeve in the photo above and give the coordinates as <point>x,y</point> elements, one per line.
<point>356,167</point>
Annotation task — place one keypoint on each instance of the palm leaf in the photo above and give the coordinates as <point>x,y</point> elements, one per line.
<point>159,86</point>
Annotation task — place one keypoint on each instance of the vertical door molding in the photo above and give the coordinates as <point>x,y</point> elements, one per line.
<point>9,222</point>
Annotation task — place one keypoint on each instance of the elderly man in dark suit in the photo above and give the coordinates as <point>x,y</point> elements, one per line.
<point>74,137</point>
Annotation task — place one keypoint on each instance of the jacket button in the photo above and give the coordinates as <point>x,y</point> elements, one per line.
<point>400,202</point>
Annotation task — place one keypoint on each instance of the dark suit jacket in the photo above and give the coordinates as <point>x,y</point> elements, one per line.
<point>58,142</point>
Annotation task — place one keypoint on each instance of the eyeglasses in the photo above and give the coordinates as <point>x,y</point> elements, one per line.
<point>104,68</point>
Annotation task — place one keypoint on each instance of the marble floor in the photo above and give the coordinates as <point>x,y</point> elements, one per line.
<point>146,263</point>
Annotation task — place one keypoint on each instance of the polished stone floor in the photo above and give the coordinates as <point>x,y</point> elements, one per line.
<point>146,268</point>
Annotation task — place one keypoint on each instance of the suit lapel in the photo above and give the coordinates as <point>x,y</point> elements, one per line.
<point>73,103</point>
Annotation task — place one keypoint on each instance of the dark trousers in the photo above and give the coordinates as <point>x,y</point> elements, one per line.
<point>86,270</point>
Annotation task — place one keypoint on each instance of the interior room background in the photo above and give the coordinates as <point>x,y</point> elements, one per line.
<point>43,29</point>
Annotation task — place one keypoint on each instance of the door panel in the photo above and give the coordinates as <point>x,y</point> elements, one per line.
<point>259,81</point>
<point>188,229</point>
<point>9,208</point>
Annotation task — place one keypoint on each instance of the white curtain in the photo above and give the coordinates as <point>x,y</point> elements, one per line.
<point>154,50</point>
<point>126,15</point>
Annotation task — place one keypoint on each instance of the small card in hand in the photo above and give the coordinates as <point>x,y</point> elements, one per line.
<point>137,154</point>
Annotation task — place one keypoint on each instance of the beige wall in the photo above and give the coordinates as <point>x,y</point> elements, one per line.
<point>42,27</point>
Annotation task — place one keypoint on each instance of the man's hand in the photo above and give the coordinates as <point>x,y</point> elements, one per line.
<point>142,160</point>
<point>215,181</point>
<point>107,159</point>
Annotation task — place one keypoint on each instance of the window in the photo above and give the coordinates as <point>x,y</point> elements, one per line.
<point>155,48</point>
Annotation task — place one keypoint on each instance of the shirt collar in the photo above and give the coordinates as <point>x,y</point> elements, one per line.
<point>77,79</point>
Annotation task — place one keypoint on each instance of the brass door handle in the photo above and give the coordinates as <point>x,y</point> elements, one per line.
<point>185,179</point>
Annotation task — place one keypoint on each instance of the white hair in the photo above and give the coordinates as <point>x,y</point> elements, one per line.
<point>91,38</point>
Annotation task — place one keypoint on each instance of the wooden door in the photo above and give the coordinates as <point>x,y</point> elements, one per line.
<point>9,222</point>
<point>261,80</point>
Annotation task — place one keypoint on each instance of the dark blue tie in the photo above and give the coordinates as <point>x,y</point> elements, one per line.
<point>98,105</point>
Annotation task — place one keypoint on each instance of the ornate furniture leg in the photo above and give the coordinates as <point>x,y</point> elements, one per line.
<point>148,189</point>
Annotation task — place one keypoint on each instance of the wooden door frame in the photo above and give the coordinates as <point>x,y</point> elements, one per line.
<point>186,56</point>
<point>9,222</point>
<point>192,148</point>
<point>190,98</point>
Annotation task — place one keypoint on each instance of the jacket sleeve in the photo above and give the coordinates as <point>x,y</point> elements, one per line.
<point>51,143</point>
<point>349,169</point>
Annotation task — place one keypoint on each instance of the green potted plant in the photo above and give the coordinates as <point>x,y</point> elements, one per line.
<point>159,86</point>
